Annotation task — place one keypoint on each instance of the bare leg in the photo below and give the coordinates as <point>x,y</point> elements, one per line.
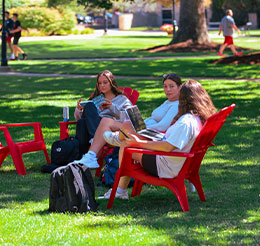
<point>10,47</point>
<point>128,128</point>
<point>222,48</point>
<point>106,124</point>
<point>17,49</point>
<point>124,181</point>
<point>232,47</point>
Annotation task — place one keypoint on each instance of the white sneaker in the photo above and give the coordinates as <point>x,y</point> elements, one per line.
<point>123,195</point>
<point>89,160</point>
<point>12,57</point>
<point>112,138</point>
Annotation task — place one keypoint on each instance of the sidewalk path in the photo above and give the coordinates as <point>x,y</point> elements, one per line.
<point>118,76</point>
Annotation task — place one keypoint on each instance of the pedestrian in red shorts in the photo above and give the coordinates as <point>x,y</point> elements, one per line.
<point>9,25</point>
<point>228,25</point>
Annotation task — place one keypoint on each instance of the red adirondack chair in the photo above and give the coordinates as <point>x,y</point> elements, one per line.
<point>132,95</point>
<point>189,171</point>
<point>17,149</point>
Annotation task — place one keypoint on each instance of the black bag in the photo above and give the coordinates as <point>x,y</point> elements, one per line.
<point>72,189</point>
<point>64,151</point>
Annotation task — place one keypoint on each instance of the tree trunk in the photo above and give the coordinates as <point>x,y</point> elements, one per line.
<point>192,24</point>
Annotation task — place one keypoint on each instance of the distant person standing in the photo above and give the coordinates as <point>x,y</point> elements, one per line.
<point>228,25</point>
<point>9,25</point>
<point>17,31</point>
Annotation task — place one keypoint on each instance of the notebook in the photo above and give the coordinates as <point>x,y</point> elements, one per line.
<point>98,101</point>
<point>138,124</point>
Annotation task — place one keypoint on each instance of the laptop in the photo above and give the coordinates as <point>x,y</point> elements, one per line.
<point>138,124</point>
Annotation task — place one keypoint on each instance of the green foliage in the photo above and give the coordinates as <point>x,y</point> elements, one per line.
<point>240,9</point>
<point>54,3</point>
<point>47,20</point>
<point>68,18</point>
<point>102,4</point>
<point>18,3</point>
<point>87,30</point>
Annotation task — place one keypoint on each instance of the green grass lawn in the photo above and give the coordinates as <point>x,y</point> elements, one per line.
<point>186,67</point>
<point>229,173</point>
<point>113,46</point>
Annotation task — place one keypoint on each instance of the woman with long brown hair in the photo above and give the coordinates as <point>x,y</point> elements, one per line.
<point>195,107</point>
<point>88,120</point>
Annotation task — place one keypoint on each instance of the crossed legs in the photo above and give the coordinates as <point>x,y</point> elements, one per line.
<point>106,124</point>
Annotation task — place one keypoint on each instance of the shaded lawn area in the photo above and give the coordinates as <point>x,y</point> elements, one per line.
<point>113,46</point>
<point>229,173</point>
<point>186,67</point>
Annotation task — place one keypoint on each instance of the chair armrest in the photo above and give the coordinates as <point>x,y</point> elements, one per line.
<point>151,152</point>
<point>36,126</point>
<point>20,124</point>
<point>64,129</point>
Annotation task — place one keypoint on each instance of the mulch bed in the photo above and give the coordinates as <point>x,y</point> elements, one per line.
<point>249,58</point>
<point>189,46</point>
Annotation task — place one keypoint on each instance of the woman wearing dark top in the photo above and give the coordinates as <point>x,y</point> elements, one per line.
<point>17,34</point>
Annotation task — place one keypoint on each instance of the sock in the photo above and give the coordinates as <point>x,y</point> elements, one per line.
<point>120,191</point>
<point>92,153</point>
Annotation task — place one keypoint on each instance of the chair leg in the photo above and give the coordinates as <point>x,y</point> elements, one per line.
<point>197,183</point>
<point>137,189</point>
<point>18,162</point>
<point>46,156</point>
<point>3,156</point>
<point>113,193</point>
<point>179,190</point>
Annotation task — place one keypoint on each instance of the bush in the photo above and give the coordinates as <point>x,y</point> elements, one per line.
<point>68,19</point>
<point>47,20</point>
<point>87,30</point>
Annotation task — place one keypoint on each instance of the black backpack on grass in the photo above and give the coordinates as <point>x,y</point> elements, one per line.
<point>62,152</point>
<point>72,189</point>
<point>65,151</point>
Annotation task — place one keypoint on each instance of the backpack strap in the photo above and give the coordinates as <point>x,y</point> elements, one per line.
<point>78,178</point>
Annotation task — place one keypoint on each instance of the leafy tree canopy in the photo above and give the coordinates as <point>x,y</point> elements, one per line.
<point>105,4</point>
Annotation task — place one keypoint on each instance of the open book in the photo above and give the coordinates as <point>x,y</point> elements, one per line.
<point>98,101</point>
<point>137,121</point>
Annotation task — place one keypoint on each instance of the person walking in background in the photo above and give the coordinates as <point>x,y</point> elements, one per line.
<point>9,25</point>
<point>228,25</point>
<point>17,34</point>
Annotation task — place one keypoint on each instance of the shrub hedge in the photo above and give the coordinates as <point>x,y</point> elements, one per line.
<point>47,20</point>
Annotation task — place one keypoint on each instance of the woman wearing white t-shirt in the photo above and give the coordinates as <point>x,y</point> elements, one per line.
<point>195,107</point>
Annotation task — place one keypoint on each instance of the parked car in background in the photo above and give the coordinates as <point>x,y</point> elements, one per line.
<point>81,19</point>
<point>99,20</point>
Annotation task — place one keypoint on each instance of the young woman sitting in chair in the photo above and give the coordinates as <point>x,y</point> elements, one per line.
<point>195,107</point>
<point>90,119</point>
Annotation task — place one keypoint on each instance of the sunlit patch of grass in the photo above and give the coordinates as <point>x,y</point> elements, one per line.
<point>186,67</point>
